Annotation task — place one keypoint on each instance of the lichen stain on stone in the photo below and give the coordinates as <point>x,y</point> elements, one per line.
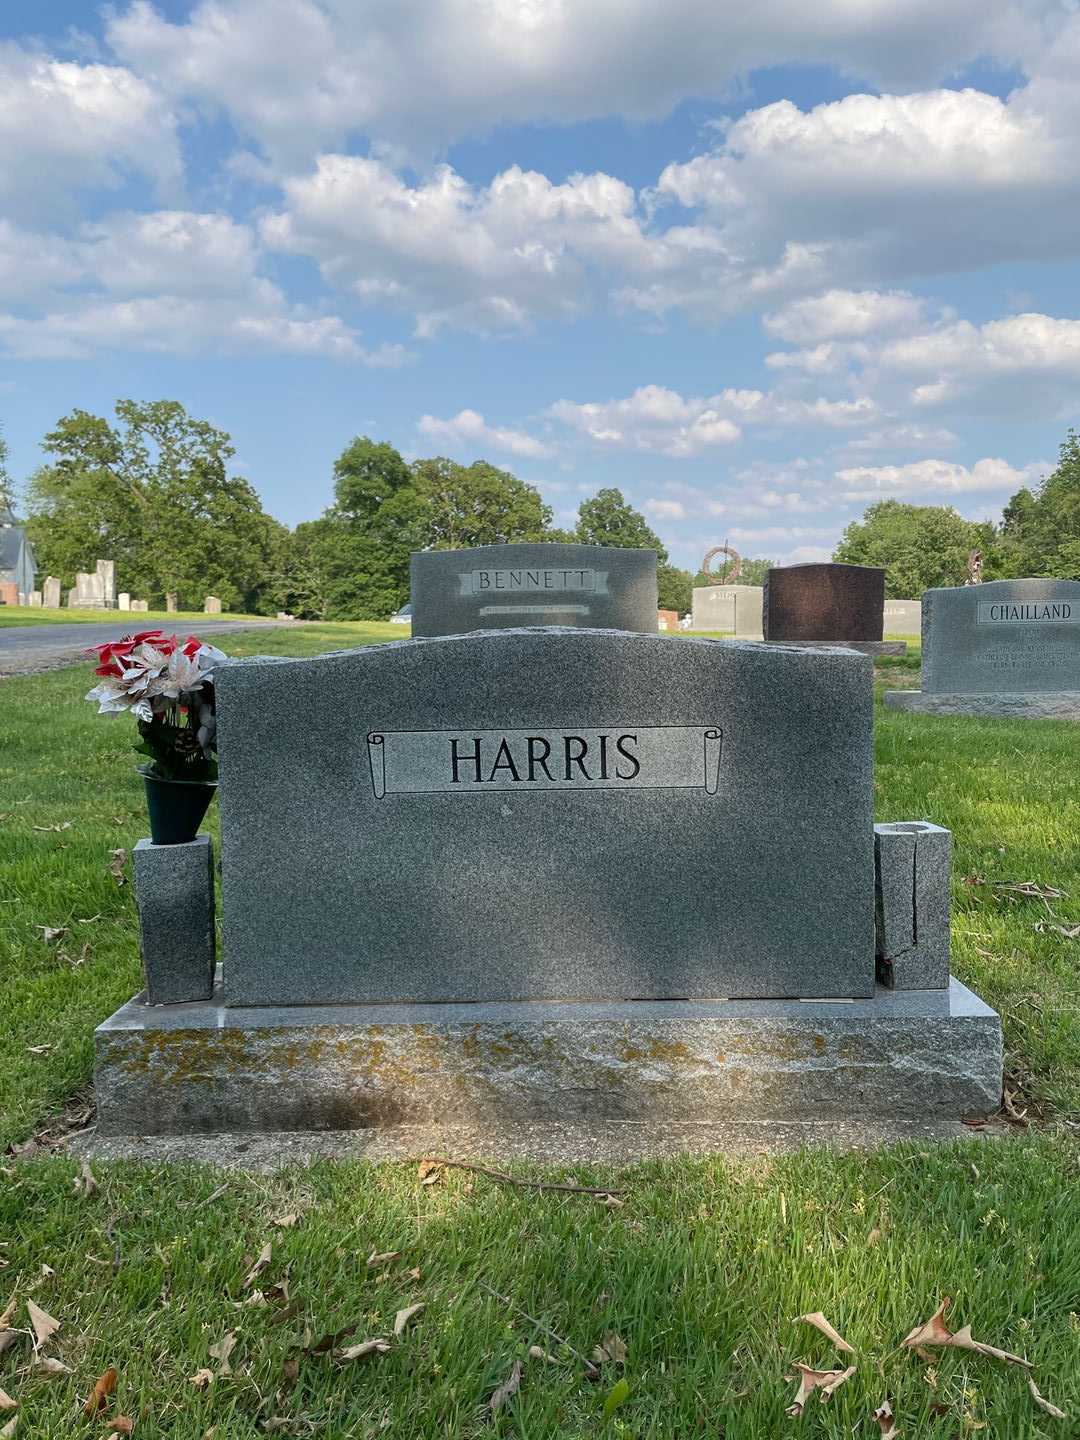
<point>671,1051</point>
<point>779,1045</point>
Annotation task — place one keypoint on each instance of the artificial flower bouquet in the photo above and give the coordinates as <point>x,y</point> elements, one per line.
<point>169,687</point>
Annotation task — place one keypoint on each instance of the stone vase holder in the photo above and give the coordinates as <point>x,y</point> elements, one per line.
<point>174,892</point>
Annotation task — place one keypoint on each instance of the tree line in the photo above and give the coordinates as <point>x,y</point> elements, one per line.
<point>152,491</point>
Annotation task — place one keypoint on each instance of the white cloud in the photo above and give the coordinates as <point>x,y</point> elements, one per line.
<point>665,509</point>
<point>468,428</point>
<point>173,252</point>
<point>936,480</point>
<point>65,127</point>
<point>171,324</point>
<point>416,75</point>
<point>658,419</point>
<point>32,262</point>
<point>485,257</point>
<point>845,315</point>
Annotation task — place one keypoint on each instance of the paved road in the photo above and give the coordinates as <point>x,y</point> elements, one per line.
<point>28,648</point>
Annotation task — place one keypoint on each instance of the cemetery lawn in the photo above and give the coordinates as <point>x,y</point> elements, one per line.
<point>699,1270</point>
<point>125,619</point>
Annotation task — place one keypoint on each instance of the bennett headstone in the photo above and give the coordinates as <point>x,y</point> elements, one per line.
<point>52,592</point>
<point>824,602</point>
<point>500,587</point>
<point>482,817</point>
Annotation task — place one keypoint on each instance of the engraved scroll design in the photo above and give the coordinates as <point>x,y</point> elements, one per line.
<point>712,751</point>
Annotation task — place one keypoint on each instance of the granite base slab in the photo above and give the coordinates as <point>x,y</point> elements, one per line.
<point>203,1068</point>
<point>1052,705</point>
<point>864,647</point>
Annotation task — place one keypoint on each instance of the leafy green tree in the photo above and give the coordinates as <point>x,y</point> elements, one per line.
<point>477,504</point>
<point>353,562</point>
<point>919,546</point>
<point>609,519</point>
<point>153,493</point>
<point>7,490</point>
<point>1041,531</point>
<point>675,588</point>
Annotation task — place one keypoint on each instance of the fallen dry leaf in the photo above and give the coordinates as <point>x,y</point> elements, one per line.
<point>886,1421</point>
<point>65,825</point>
<point>377,1346</point>
<point>610,1350</point>
<point>1043,1403</point>
<point>51,933</point>
<point>817,1319</point>
<point>285,1222</point>
<point>536,1352</point>
<point>99,1396</point>
<point>50,1367</point>
<point>429,1172</point>
<point>265,1256</point>
<point>9,1428</point>
<point>509,1387</point>
<point>6,1402</point>
<point>85,1184</point>
<point>202,1378</point>
<point>328,1342</point>
<point>810,1380</point>
<point>221,1352</point>
<point>611,1202</point>
<point>1071,932</point>
<point>121,1425</point>
<point>383,1257</point>
<point>402,1318</point>
<point>45,1327</point>
<point>40,1049</point>
<point>7,1335</point>
<point>936,1332</point>
<point>117,859</point>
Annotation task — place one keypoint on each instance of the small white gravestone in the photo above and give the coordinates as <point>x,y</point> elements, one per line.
<point>211,605</point>
<point>123,600</point>
<point>34,598</point>
<point>52,593</point>
<point>140,605</point>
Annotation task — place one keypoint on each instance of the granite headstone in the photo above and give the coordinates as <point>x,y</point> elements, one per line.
<point>52,592</point>
<point>499,587</point>
<point>903,617</point>
<point>1004,635</point>
<point>824,602</point>
<point>480,817</point>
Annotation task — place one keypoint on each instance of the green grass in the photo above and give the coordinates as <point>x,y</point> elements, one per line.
<point>124,619</point>
<point>699,1273</point>
<point>996,1225</point>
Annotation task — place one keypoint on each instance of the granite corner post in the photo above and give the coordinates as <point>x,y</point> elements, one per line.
<point>174,892</point>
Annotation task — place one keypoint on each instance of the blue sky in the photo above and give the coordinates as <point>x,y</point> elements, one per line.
<point>757,269</point>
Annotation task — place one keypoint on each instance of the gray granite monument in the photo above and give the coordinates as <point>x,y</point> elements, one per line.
<point>500,587</point>
<point>453,911</point>
<point>732,608</point>
<point>174,887</point>
<point>1004,648</point>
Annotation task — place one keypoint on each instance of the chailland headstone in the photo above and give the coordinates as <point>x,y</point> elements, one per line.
<point>507,586</point>
<point>1005,647</point>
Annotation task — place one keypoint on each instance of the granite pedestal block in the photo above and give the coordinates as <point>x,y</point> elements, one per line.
<point>1063,706</point>
<point>547,814</point>
<point>824,602</point>
<point>205,1068</point>
<point>174,892</point>
<point>864,647</point>
<point>913,864</point>
<point>498,587</point>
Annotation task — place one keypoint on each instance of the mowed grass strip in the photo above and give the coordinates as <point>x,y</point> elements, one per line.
<point>699,1272</point>
<point>125,620</point>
